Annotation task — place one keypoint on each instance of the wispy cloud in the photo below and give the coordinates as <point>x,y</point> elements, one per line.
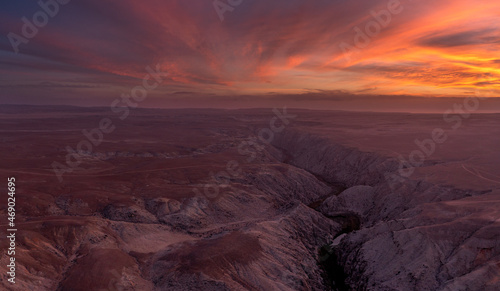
<point>443,48</point>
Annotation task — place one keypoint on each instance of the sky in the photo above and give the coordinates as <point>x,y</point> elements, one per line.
<point>227,51</point>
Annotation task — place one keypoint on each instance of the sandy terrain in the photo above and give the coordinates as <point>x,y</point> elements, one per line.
<point>240,200</point>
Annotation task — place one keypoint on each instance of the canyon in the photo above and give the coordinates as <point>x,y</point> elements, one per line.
<point>319,204</point>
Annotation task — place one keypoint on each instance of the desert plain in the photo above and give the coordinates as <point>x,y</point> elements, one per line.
<point>251,199</point>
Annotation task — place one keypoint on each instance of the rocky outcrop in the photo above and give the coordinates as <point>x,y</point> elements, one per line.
<point>358,200</point>
<point>307,212</point>
<point>413,235</point>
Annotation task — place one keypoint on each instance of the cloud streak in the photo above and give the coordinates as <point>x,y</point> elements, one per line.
<point>97,48</point>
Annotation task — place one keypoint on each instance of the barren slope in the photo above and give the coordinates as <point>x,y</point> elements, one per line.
<point>135,214</point>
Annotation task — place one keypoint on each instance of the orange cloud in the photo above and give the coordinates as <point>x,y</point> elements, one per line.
<point>444,48</point>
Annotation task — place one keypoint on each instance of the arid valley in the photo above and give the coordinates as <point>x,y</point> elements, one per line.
<point>254,199</point>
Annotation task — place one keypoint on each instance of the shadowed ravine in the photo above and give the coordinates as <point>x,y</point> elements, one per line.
<point>309,211</point>
<point>372,214</point>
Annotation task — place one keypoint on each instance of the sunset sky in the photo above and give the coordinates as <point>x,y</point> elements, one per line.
<point>92,51</point>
